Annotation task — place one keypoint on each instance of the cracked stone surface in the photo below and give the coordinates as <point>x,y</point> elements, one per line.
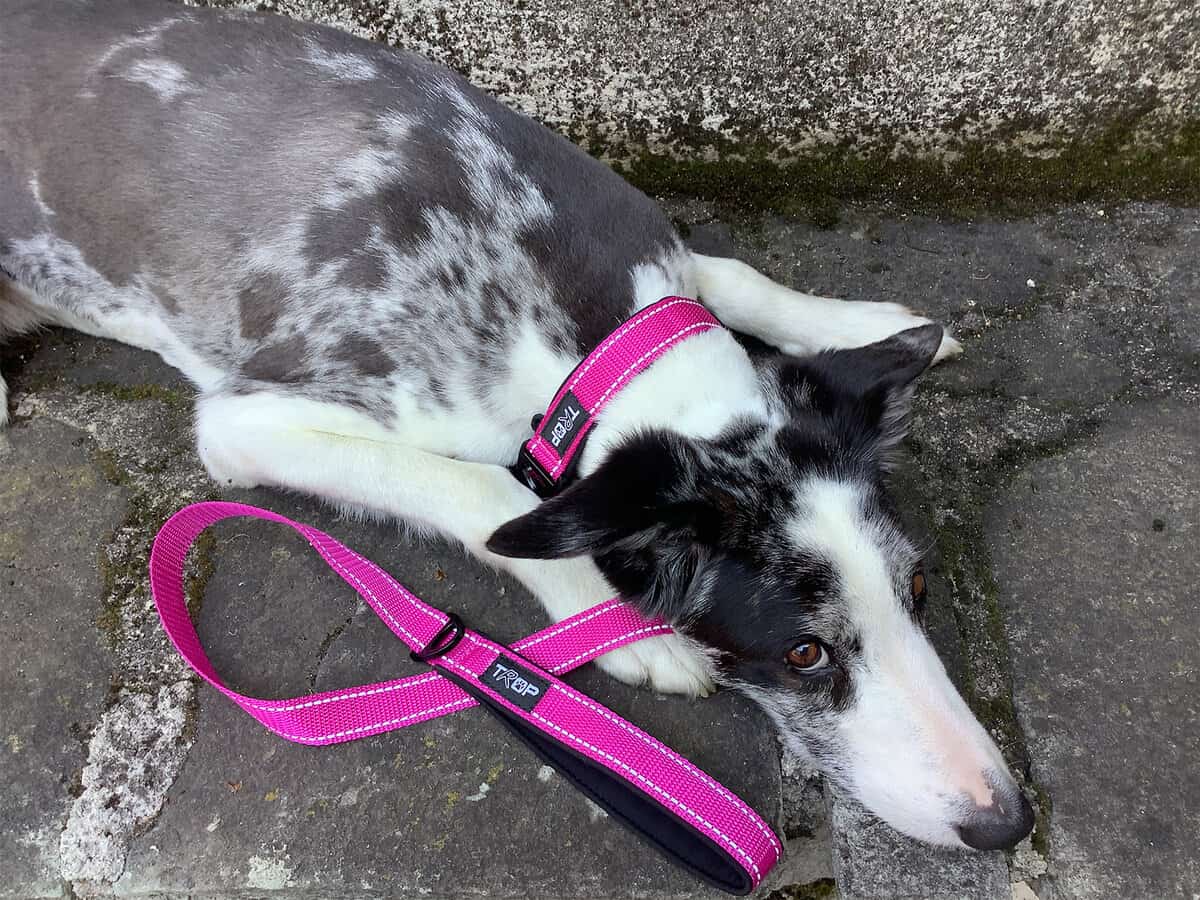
<point>872,862</point>
<point>134,755</point>
<point>1096,551</point>
<point>56,509</point>
<point>1053,474</point>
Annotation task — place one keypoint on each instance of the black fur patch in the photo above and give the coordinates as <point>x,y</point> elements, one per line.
<point>697,531</point>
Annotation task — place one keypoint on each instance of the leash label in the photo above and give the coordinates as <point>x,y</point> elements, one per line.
<point>514,683</point>
<point>564,423</point>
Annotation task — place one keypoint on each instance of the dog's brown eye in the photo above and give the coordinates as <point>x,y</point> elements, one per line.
<point>918,583</point>
<point>808,656</point>
<point>919,589</point>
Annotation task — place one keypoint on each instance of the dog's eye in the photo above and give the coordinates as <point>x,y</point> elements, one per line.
<point>918,583</point>
<point>919,591</point>
<point>808,656</point>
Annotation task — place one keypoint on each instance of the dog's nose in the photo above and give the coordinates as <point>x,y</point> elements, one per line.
<point>999,826</point>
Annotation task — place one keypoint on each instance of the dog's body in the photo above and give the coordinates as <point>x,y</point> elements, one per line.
<point>375,274</point>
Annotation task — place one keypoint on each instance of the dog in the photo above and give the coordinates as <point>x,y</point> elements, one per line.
<point>374,274</point>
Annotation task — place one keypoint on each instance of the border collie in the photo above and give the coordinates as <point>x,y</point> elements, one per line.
<point>375,274</point>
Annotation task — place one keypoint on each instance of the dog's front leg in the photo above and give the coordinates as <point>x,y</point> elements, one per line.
<point>798,324</point>
<point>336,454</point>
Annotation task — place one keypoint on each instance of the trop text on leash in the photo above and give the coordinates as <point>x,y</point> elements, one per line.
<point>520,685</point>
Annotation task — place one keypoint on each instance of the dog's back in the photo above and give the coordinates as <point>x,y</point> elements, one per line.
<point>269,202</point>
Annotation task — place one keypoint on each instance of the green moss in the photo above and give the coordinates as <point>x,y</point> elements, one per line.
<point>976,606</point>
<point>132,392</point>
<point>108,620</point>
<point>197,579</point>
<point>111,468</point>
<point>821,889</point>
<point>35,383</point>
<point>124,577</point>
<point>1043,808</point>
<point>979,177</point>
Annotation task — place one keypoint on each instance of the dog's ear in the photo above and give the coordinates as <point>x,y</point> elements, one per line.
<point>640,490</point>
<point>873,384</point>
<point>647,514</point>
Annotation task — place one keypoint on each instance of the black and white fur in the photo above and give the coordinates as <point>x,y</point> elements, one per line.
<point>375,274</point>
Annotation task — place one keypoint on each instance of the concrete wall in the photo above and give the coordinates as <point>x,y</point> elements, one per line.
<point>796,77</point>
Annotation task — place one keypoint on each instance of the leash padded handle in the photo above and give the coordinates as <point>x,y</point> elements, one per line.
<point>644,816</point>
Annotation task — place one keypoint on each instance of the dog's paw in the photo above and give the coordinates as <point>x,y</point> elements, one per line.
<point>856,323</point>
<point>948,348</point>
<point>668,664</point>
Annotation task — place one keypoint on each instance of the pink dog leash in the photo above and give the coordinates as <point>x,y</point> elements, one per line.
<point>686,814</point>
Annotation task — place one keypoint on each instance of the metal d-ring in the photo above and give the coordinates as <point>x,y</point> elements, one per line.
<point>443,642</point>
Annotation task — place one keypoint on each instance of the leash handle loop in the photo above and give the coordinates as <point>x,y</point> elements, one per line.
<point>331,717</point>
<point>689,816</point>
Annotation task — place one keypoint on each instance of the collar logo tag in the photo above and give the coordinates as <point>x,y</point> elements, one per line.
<point>564,423</point>
<point>515,684</point>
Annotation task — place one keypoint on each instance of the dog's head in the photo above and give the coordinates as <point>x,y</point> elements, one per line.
<point>777,549</point>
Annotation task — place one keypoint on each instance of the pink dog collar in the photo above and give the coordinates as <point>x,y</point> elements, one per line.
<point>677,808</point>
<point>547,458</point>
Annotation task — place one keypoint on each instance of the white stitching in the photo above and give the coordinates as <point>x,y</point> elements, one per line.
<point>612,387</point>
<point>418,680</point>
<point>636,774</point>
<point>414,601</point>
<point>300,739</point>
<point>537,439</point>
<point>411,681</point>
<point>337,564</point>
<point>415,681</point>
<point>312,533</point>
<point>737,802</point>
<point>621,332</point>
<point>526,643</point>
<point>657,745</point>
<point>649,628</point>
<point>640,777</point>
<point>413,642</point>
<point>674,757</point>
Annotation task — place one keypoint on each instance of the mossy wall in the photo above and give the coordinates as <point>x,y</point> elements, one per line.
<point>946,103</point>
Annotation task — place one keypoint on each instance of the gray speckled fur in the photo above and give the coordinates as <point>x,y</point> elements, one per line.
<point>301,208</point>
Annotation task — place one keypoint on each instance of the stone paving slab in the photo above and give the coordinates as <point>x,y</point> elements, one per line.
<point>178,793</point>
<point>1082,383</point>
<point>873,862</point>
<point>446,808</point>
<point>1068,319</point>
<point>57,507</point>
<point>1096,556</point>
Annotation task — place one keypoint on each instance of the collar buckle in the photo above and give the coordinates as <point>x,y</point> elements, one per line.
<point>533,476</point>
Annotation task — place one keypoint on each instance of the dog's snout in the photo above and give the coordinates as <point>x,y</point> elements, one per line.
<point>998,826</point>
